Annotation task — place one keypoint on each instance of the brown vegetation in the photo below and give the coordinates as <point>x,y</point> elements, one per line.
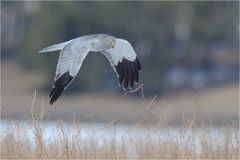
<point>191,143</point>
<point>15,144</point>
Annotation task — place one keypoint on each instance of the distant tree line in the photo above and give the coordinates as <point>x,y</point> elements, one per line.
<point>166,35</point>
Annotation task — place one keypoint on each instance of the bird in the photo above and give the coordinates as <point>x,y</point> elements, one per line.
<point>119,52</point>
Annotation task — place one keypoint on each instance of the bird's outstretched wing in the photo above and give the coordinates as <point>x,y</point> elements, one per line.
<point>69,63</point>
<point>125,63</point>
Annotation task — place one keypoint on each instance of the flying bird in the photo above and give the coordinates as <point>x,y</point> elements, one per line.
<point>118,51</point>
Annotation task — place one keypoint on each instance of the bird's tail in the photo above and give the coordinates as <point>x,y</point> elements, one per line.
<point>54,47</point>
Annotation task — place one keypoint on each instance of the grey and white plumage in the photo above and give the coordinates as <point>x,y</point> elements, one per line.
<point>118,51</point>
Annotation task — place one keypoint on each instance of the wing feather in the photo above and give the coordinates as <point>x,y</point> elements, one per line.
<point>59,86</point>
<point>69,63</point>
<point>124,62</point>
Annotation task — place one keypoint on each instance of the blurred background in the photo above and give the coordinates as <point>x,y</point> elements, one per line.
<point>189,53</point>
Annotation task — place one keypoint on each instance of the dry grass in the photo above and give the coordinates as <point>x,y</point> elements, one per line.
<point>15,144</point>
<point>189,143</point>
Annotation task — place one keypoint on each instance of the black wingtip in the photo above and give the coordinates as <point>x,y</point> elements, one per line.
<point>128,72</point>
<point>138,63</point>
<point>59,85</point>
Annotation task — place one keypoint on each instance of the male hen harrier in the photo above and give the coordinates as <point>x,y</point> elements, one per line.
<point>119,52</point>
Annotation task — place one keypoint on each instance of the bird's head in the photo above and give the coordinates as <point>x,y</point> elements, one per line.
<point>110,42</point>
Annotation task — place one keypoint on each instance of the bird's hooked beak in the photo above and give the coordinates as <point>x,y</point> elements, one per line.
<point>111,42</point>
<point>112,45</point>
